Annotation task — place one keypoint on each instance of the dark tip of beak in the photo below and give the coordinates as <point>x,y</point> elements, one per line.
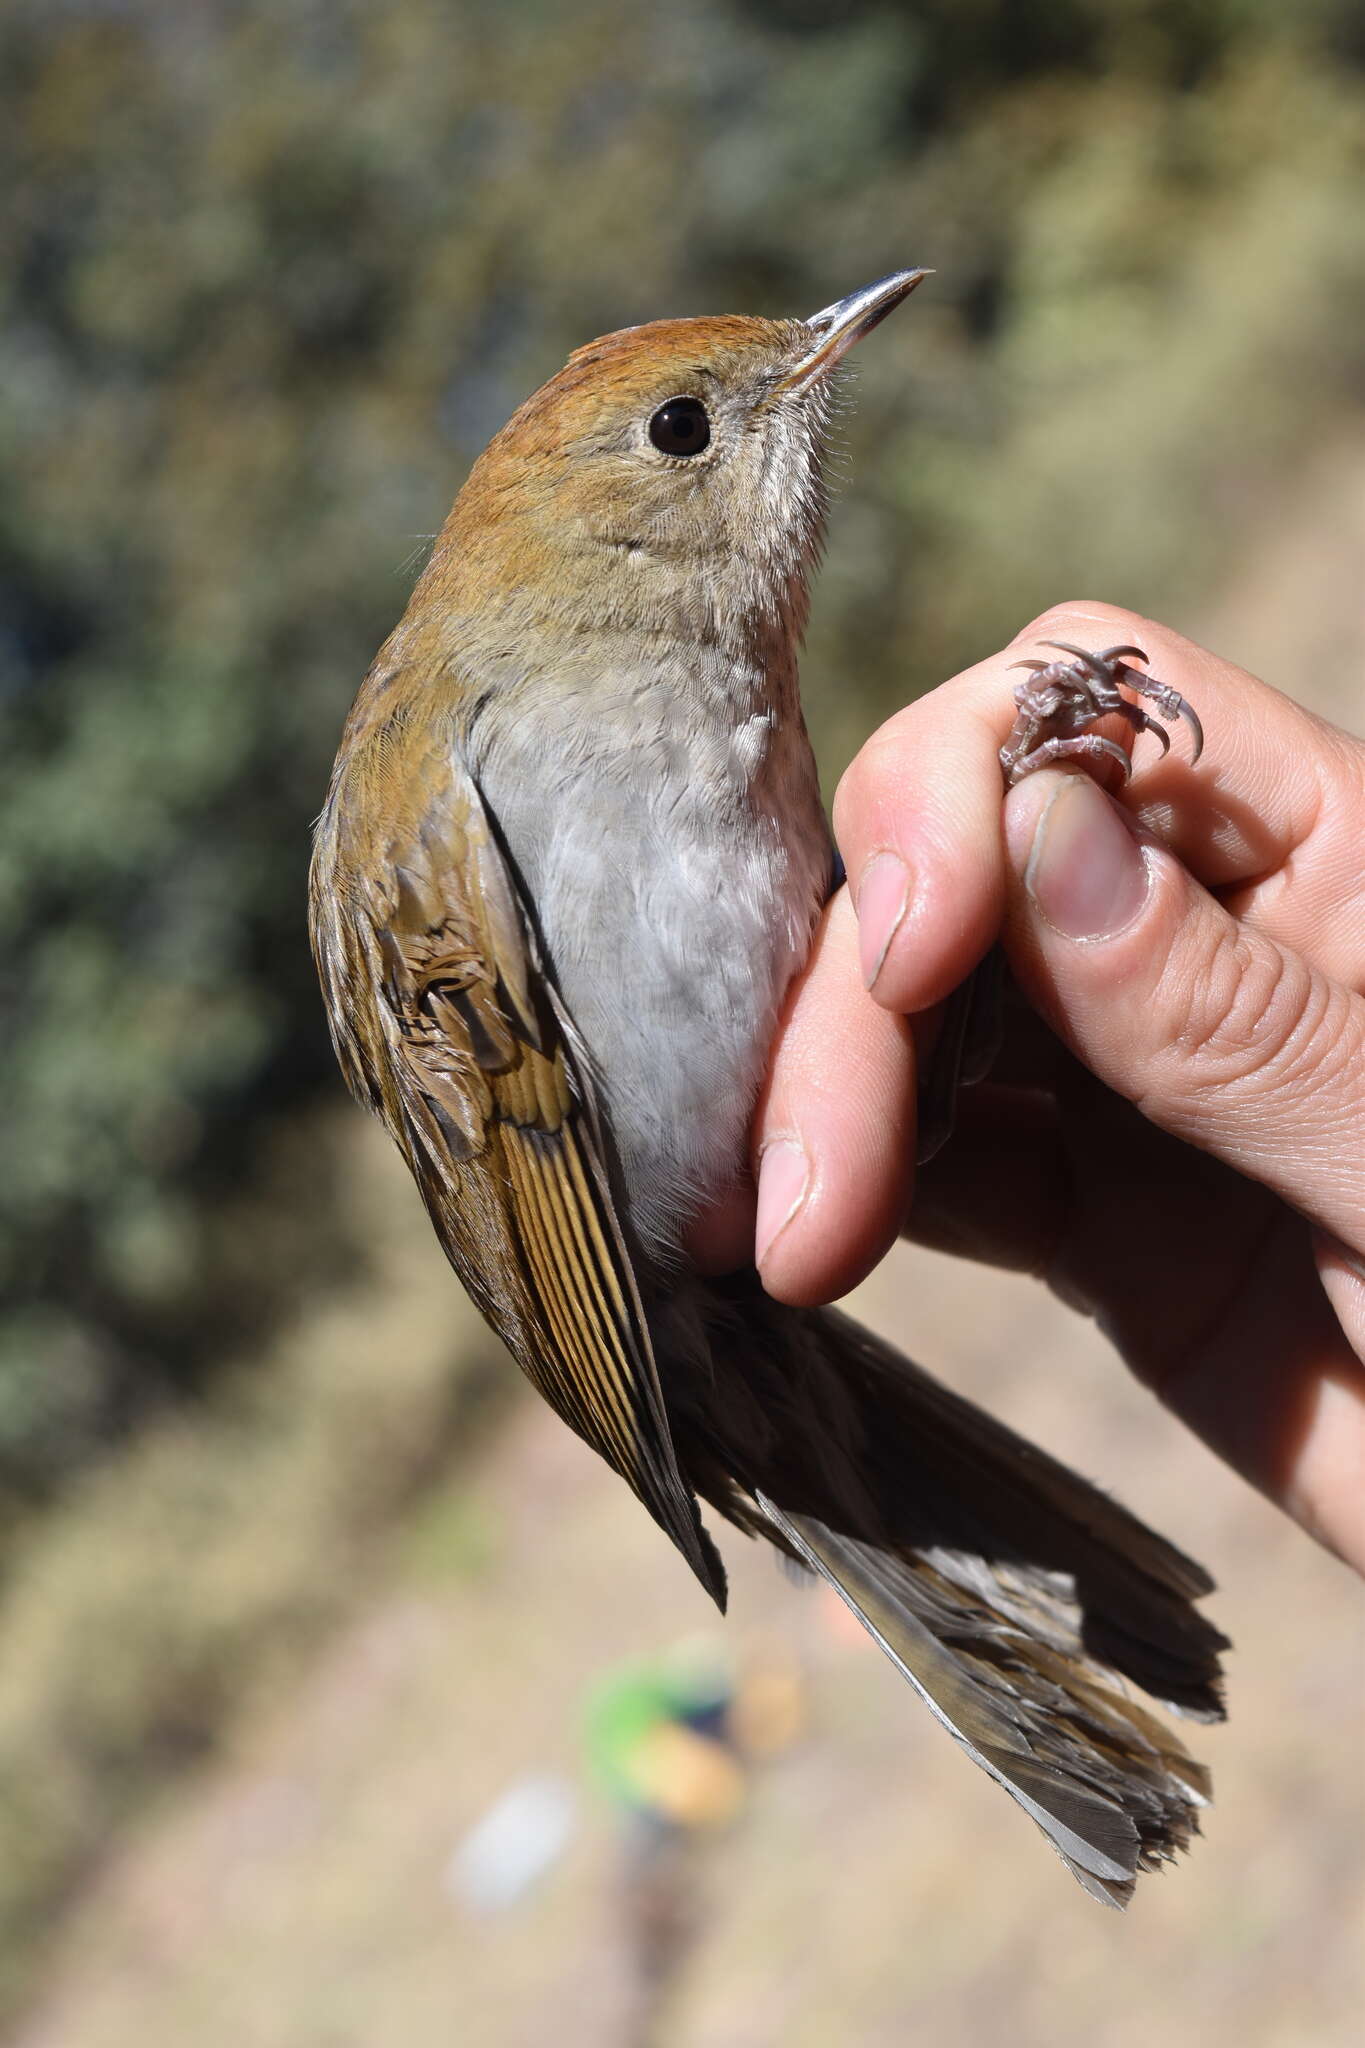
<point>835,328</point>
<point>861,311</point>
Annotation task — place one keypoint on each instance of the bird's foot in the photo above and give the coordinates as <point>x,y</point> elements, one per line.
<point>1061,700</point>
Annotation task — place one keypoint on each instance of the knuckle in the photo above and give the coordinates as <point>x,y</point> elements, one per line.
<point>847,805</point>
<point>1253,1019</point>
<point>1342,785</point>
<point>1070,616</point>
<point>875,774</point>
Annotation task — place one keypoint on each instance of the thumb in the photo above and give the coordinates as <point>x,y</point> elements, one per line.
<point>1214,1031</point>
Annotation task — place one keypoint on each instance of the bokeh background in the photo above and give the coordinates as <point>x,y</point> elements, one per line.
<point>296,1584</point>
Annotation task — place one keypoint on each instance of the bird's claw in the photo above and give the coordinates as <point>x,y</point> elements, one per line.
<point>1062,700</point>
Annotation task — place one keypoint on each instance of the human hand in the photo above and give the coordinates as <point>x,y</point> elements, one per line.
<point>1182,1153</point>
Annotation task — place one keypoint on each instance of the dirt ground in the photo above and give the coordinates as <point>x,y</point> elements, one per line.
<point>875,1889</point>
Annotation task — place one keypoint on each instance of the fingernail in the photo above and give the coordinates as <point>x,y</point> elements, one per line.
<point>883,893</point>
<point>783,1171</point>
<point>1085,869</point>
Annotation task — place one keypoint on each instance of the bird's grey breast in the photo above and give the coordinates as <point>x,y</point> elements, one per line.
<point>668,831</point>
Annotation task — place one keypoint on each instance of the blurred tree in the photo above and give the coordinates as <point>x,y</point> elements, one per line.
<point>272,273</point>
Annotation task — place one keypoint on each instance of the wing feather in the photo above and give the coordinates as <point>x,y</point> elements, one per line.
<point>447,1022</point>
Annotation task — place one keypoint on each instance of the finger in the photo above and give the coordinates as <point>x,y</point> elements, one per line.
<point>1218,1034</point>
<point>1331,1484</point>
<point>835,1132</point>
<point>1206,1284</point>
<point>1272,776</point>
<point>1342,1273</point>
<point>916,814</point>
<point>917,818</point>
<point>1277,1392</point>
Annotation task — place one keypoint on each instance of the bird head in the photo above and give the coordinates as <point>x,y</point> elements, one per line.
<point>668,477</point>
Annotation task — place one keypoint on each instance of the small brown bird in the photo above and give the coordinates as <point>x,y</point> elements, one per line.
<point>572,855</point>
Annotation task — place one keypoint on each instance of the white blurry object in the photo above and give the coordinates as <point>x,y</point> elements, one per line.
<point>522,1835</point>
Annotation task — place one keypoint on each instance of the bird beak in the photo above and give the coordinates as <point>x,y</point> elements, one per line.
<point>834,330</point>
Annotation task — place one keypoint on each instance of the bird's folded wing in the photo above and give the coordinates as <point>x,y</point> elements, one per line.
<point>471,1061</point>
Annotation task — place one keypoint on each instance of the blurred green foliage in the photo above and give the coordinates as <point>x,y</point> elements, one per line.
<point>271,273</point>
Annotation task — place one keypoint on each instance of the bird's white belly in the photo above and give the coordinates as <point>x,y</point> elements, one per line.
<point>676,908</point>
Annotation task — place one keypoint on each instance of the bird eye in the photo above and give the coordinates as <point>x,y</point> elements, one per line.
<point>680,427</point>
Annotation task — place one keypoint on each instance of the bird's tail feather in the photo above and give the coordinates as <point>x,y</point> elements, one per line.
<point>1016,1597</point>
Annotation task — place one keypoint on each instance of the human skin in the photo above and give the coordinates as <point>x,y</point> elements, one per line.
<point>1185,1158</point>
